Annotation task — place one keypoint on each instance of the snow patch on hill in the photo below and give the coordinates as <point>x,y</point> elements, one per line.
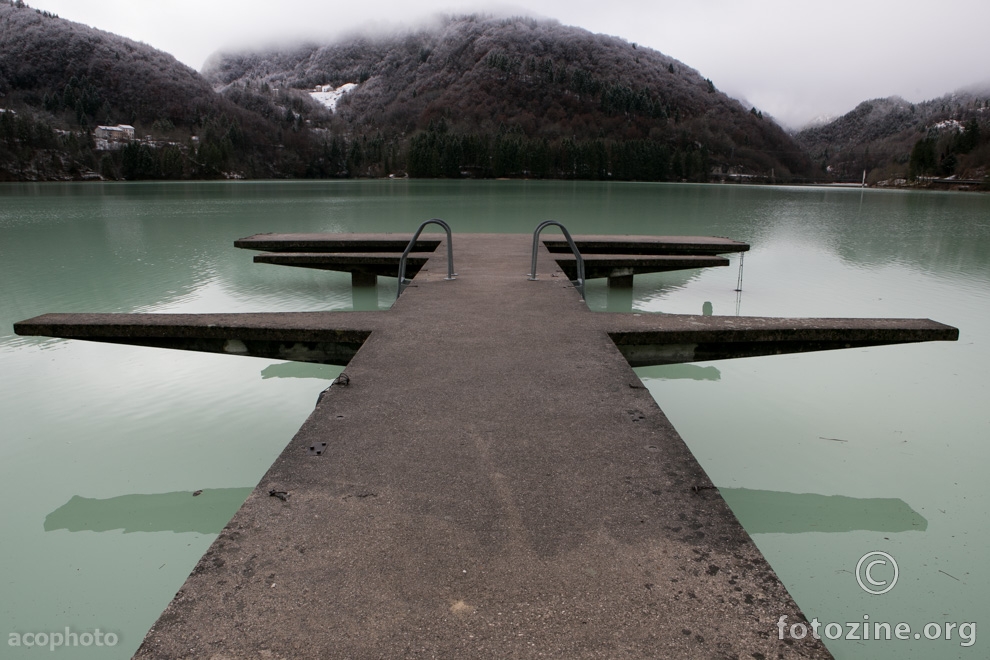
<point>329,96</point>
<point>949,125</point>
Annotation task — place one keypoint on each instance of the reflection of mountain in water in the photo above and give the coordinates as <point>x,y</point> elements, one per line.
<point>772,512</point>
<point>117,248</point>
<point>300,370</point>
<point>179,512</point>
<point>107,249</point>
<point>679,372</point>
<point>937,231</point>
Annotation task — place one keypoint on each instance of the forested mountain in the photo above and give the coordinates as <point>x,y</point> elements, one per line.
<point>483,96</point>
<point>895,140</point>
<point>469,96</point>
<point>59,80</point>
<point>465,96</point>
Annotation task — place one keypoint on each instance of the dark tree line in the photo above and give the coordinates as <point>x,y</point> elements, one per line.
<point>439,152</point>
<point>31,149</point>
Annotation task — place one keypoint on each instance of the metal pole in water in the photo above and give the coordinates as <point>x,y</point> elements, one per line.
<point>742,255</point>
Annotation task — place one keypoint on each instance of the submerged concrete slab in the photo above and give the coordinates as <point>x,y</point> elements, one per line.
<point>493,482</point>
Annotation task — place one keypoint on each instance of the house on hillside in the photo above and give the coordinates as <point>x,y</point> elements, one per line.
<point>109,138</point>
<point>118,133</point>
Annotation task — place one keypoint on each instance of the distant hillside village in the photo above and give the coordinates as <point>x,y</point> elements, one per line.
<point>112,138</point>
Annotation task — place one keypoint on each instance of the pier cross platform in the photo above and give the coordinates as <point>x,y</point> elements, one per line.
<point>493,481</point>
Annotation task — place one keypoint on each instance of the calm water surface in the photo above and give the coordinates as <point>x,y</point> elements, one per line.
<point>824,457</point>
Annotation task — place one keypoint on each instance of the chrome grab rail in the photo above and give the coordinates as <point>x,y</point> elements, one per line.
<point>450,254</point>
<point>579,282</point>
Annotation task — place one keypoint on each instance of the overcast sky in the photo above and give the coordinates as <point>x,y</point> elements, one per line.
<point>793,59</point>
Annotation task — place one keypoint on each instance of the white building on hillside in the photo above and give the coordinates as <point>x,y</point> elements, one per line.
<point>109,138</point>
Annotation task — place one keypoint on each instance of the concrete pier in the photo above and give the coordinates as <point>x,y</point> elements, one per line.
<point>494,481</point>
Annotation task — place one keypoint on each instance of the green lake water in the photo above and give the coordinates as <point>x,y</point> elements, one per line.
<point>824,457</point>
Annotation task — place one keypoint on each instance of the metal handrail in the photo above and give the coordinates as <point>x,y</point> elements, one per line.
<point>579,282</point>
<point>450,254</point>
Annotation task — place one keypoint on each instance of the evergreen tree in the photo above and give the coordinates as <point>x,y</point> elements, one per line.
<point>923,160</point>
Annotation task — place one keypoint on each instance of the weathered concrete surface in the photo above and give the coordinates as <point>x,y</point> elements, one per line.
<point>676,338</point>
<point>334,337</point>
<point>322,337</point>
<point>496,483</point>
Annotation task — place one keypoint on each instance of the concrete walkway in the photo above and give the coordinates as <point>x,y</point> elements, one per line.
<point>493,482</point>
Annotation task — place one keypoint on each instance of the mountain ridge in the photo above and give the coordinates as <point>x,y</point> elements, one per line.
<point>476,76</point>
<point>59,80</point>
<point>897,141</point>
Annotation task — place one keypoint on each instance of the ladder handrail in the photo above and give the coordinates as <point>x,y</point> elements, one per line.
<point>579,282</point>
<point>450,254</point>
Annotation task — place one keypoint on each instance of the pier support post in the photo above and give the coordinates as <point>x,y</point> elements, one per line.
<point>620,281</point>
<point>363,279</point>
